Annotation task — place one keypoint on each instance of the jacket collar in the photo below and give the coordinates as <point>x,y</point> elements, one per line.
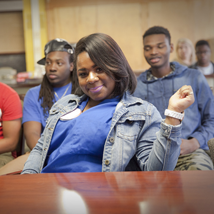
<point>126,100</point>
<point>178,69</point>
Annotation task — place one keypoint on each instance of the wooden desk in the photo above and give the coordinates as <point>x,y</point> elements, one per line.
<point>101,193</point>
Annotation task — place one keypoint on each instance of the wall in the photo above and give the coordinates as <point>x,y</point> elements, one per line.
<point>11,33</point>
<point>12,50</point>
<point>127,20</point>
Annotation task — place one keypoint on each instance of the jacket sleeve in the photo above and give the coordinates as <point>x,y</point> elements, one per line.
<point>33,164</point>
<point>158,146</point>
<point>205,100</point>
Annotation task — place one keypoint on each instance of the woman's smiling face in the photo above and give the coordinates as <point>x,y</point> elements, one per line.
<point>93,81</point>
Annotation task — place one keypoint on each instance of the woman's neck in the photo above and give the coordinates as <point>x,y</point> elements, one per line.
<point>91,103</point>
<point>186,62</point>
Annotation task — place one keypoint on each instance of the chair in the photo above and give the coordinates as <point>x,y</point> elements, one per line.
<point>20,149</point>
<point>211,147</point>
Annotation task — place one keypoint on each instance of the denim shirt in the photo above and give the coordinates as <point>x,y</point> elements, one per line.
<point>137,131</point>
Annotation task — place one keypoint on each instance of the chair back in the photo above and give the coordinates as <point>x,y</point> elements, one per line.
<point>20,149</point>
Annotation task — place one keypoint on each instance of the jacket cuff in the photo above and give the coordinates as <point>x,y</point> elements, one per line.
<point>170,131</point>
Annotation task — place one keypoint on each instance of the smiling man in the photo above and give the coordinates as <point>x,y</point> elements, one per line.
<point>163,79</point>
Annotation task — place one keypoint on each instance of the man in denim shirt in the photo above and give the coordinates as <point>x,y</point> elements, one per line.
<point>163,79</point>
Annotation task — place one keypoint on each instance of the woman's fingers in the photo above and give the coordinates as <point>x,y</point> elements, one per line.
<point>185,91</point>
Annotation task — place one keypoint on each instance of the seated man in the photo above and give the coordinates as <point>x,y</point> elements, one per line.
<point>163,79</point>
<point>56,84</point>
<point>203,54</point>
<point>10,122</point>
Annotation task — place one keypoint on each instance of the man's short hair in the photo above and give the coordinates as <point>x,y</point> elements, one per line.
<point>158,30</point>
<point>202,42</point>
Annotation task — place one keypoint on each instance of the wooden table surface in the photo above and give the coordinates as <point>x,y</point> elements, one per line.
<point>116,192</point>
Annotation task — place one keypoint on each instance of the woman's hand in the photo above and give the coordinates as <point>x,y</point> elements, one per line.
<point>179,101</point>
<point>182,99</point>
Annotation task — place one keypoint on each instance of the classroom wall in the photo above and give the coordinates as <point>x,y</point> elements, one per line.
<point>127,20</point>
<point>11,33</point>
<point>124,20</point>
<point>12,50</point>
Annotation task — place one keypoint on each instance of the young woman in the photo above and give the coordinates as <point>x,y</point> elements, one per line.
<point>102,127</point>
<point>185,52</point>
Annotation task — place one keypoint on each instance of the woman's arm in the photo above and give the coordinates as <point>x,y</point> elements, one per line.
<point>159,150</point>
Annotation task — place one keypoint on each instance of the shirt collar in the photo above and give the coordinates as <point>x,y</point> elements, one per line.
<point>150,76</point>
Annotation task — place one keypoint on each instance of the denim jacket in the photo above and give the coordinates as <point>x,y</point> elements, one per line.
<point>136,133</point>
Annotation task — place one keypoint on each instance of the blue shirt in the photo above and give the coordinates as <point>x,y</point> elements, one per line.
<point>77,144</point>
<point>32,110</point>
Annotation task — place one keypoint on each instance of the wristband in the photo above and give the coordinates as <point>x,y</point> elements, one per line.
<point>174,114</point>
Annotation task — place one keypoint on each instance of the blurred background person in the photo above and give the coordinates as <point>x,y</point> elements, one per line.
<point>185,52</point>
<point>203,54</point>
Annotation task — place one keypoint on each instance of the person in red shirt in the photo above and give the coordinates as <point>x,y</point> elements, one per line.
<point>10,122</point>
